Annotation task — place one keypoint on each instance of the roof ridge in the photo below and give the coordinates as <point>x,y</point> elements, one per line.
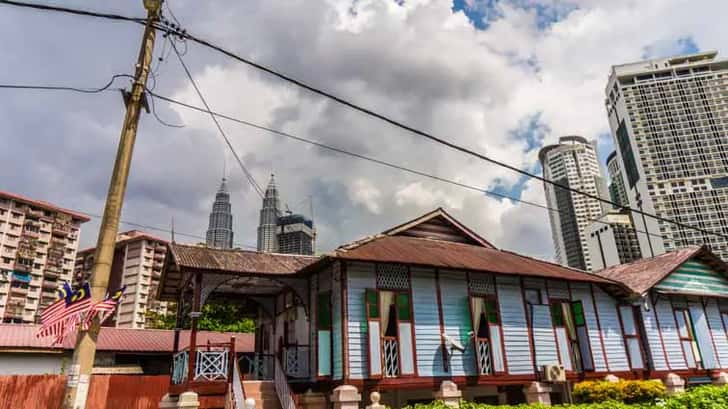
<point>239,250</point>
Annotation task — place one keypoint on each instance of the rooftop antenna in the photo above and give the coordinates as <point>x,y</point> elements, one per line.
<point>172,231</point>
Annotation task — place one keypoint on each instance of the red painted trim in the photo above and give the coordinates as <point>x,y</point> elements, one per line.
<point>412,322</point>
<point>344,319</point>
<point>553,329</point>
<point>653,310</point>
<point>445,363</point>
<point>434,382</point>
<point>529,327</point>
<point>313,327</point>
<point>599,328</point>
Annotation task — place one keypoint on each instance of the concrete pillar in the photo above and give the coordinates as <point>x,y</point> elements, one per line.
<point>674,384</point>
<point>611,378</point>
<point>186,400</point>
<point>374,397</point>
<point>312,400</point>
<point>721,379</point>
<point>346,397</point>
<point>449,394</point>
<point>538,392</point>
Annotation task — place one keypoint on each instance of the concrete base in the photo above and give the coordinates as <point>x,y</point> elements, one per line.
<point>186,400</point>
<point>312,400</point>
<point>346,397</point>
<point>721,379</point>
<point>674,384</point>
<point>538,392</point>
<point>449,394</point>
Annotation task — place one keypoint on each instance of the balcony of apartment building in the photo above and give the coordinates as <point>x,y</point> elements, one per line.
<point>23,266</point>
<point>159,256</point>
<point>62,229</point>
<point>18,289</point>
<point>49,285</point>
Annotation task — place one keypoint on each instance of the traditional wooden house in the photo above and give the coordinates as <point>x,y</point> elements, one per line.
<point>420,303</point>
<point>676,316</point>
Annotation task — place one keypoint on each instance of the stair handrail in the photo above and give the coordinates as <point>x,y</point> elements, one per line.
<point>285,396</point>
<point>238,391</point>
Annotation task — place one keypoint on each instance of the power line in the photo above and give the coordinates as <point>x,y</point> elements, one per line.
<point>63,88</point>
<point>354,106</point>
<point>374,160</point>
<point>245,170</point>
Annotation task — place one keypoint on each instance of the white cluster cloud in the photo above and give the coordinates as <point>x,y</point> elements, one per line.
<point>414,60</point>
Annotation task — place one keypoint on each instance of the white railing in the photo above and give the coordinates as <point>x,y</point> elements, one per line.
<point>484,357</point>
<point>212,365</point>
<point>238,392</point>
<point>180,361</point>
<point>391,357</point>
<point>285,397</point>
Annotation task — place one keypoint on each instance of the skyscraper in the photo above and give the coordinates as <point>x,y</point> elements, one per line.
<point>617,188</point>
<point>220,228</point>
<point>267,227</point>
<point>295,234</point>
<point>670,126</point>
<point>572,162</point>
<point>612,240</point>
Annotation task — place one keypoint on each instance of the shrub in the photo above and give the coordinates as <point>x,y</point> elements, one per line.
<point>622,391</point>
<point>703,397</point>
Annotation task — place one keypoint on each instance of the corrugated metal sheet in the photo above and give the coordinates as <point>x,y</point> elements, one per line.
<point>670,338</point>
<point>718,332</point>
<point>445,254</point>
<point>611,331</point>
<point>456,317</point>
<point>238,261</point>
<point>428,340</point>
<point>360,276</point>
<point>695,278</point>
<point>22,336</point>
<point>558,289</point>
<point>336,326</point>
<point>515,331</point>
<point>652,331</point>
<point>582,292</point>
<point>544,339</point>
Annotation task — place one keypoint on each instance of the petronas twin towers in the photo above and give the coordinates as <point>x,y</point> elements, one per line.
<point>277,233</point>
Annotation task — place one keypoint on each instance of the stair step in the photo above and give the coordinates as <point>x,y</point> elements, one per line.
<point>264,393</point>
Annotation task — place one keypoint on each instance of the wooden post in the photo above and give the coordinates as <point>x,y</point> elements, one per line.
<point>178,322</point>
<point>193,331</point>
<point>232,356</point>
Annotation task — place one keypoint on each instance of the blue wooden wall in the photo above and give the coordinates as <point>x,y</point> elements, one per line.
<point>515,330</point>
<point>337,324</point>
<point>456,317</point>
<point>428,340</point>
<point>360,277</point>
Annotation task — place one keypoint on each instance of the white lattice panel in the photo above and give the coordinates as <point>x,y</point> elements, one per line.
<point>391,358</point>
<point>483,284</point>
<point>392,276</point>
<point>484,357</point>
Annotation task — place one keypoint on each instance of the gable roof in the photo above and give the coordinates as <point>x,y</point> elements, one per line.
<point>438,224</point>
<point>641,275</point>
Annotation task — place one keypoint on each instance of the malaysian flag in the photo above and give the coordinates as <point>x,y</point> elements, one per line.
<point>103,308</point>
<point>49,316</point>
<point>65,314</point>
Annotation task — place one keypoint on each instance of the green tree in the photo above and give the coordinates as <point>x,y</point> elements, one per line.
<point>215,317</point>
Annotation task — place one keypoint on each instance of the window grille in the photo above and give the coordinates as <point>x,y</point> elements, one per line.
<point>482,285</point>
<point>392,276</point>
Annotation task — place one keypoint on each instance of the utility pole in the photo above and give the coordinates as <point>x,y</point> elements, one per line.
<point>79,375</point>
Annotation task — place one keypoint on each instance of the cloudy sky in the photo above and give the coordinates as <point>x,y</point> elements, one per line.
<point>501,77</point>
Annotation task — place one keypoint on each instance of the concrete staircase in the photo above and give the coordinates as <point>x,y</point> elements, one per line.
<point>264,393</point>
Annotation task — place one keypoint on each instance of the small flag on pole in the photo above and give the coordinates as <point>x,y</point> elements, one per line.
<point>104,308</point>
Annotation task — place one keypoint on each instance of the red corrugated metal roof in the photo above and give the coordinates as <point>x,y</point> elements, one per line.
<point>43,204</point>
<point>451,255</point>
<point>238,261</point>
<point>641,275</point>
<point>22,336</point>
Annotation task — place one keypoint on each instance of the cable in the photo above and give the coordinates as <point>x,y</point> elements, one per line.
<point>58,88</point>
<point>245,170</point>
<point>373,160</point>
<point>78,12</point>
<point>366,111</point>
<point>154,112</point>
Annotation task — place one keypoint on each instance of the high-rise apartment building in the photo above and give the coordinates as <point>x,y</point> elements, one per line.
<point>295,234</point>
<point>220,227</point>
<point>612,240</point>
<point>268,223</point>
<point>669,121</point>
<point>617,187</point>
<point>573,163</point>
<point>138,261</point>
<point>38,242</point>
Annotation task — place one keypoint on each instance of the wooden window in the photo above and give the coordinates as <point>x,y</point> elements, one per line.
<point>403,307</point>
<point>323,334</point>
<point>532,296</point>
<point>323,311</point>
<point>372,303</point>
<point>572,338</point>
<point>686,332</point>
<point>488,334</point>
<point>631,333</point>
<point>582,335</point>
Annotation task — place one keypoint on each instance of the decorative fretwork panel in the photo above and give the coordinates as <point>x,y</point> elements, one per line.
<point>179,367</point>
<point>391,357</point>
<point>392,277</point>
<point>296,361</point>
<point>482,284</point>
<point>484,357</point>
<point>211,365</point>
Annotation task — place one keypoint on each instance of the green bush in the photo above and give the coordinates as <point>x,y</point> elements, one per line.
<point>622,391</point>
<point>703,397</point>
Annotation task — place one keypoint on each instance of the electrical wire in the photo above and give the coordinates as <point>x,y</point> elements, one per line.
<point>60,88</point>
<point>245,170</point>
<point>366,111</point>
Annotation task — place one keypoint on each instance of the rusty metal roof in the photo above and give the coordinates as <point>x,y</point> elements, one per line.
<point>452,255</point>
<point>641,275</point>
<point>237,261</point>
<point>22,337</point>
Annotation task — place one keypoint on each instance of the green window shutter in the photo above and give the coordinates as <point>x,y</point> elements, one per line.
<point>323,307</point>
<point>403,307</point>
<point>491,310</point>
<point>372,303</point>
<point>557,314</point>
<point>578,309</point>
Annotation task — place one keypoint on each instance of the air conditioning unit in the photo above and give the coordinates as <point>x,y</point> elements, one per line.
<point>554,373</point>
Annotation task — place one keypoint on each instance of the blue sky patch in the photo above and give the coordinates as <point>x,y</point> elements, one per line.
<point>482,12</point>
